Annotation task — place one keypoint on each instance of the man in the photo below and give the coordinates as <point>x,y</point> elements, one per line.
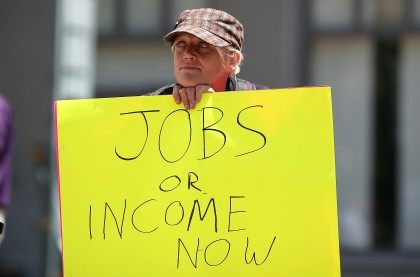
<point>206,44</point>
<point>6,144</point>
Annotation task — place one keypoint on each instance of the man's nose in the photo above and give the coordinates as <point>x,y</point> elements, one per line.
<point>189,53</point>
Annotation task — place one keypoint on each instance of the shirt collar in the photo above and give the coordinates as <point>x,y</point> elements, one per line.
<point>231,83</point>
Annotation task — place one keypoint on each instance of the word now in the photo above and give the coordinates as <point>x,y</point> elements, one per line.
<point>205,129</point>
<point>223,255</point>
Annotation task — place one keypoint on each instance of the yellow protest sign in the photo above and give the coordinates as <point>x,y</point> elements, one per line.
<point>244,184</point>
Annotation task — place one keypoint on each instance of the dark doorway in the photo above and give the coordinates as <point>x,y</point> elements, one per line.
<point>385,136</point>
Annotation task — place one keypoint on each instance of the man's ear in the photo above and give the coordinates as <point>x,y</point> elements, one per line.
<point>233,61</point>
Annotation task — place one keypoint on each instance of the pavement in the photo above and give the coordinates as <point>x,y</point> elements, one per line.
<point>380,263</point>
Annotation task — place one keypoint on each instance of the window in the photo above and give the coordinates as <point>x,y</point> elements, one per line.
<point>417,12</point>
<point>328,13</point>
<point>140,18</point>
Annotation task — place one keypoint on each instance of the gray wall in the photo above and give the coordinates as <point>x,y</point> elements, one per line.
<point>26,59</point>
<point>409,115</point>
<point>332,62</point>
<point>261,37</point>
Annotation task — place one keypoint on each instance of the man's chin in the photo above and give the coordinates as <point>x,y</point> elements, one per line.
<point>188,83</point>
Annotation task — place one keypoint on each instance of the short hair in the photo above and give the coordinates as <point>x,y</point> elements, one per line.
<point>227,52</point>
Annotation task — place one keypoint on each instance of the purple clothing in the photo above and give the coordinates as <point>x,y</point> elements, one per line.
<point>6,143</point>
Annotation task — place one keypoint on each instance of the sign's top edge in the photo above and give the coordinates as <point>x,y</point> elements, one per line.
<point>146,95</point>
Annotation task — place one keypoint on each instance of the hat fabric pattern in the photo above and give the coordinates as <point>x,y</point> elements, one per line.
<point>213,26</point>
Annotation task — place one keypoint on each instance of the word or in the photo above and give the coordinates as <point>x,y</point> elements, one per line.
<point>192,179</point>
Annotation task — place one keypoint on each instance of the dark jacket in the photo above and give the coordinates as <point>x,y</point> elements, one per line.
<point>233,84</point>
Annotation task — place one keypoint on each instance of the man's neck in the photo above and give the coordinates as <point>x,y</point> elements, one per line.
<point>220,85</point>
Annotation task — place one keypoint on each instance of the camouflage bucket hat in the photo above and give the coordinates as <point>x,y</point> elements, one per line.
<point>213,26</point>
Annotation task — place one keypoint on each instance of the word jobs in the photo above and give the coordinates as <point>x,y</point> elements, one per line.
<point>206,130</point>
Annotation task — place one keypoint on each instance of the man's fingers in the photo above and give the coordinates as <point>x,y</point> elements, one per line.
<point>199,92</point>
<point>200,89</point>
<point>175,93</point>
<point>191,97</point>
<point>184,97</point>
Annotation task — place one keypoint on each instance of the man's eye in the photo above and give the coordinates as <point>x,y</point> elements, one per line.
<point>180,44</point>
<point>203,45</point>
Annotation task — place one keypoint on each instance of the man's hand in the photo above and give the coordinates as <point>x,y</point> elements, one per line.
<point>189,96</point>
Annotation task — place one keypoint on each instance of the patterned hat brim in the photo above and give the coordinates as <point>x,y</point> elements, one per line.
<point>203,34</point>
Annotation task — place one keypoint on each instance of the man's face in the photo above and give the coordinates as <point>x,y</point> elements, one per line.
<point>197,62</point>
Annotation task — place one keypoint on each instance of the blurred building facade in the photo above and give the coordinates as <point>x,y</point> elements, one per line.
<point>367,50</point>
